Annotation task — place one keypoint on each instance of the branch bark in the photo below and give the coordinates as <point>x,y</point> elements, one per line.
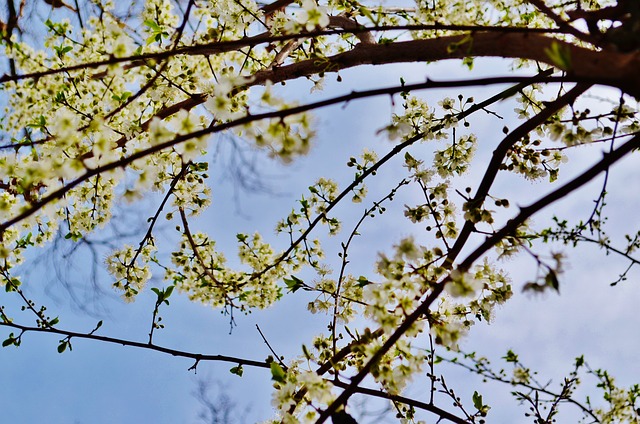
<point>608,67</point>
<point>149,346</point>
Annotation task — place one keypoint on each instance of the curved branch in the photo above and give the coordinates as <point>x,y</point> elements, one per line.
<point>407,401</point>
<point>149,346</point>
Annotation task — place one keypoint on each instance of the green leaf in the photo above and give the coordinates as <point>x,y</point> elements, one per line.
<point>62,346</point>
<point>237,370</point>
<point>152,25</point>
<point>510,356</point>
<point>306,352</point>
<point>551,279</point>
<point>12,285</point>
<point>366,13</point>
<point>363,281</point>
<point>168,291</point>
<point>560,55</point>
<point>293,284</point>
<point>477,401</point>
<point>73,236</point>
<point>277,373</point>
<point>479,405</point>
<point>11,340</point>
<point>25,241</point>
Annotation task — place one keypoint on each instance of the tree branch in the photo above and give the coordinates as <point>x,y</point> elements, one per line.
<point>599,67</point>
<point>407,401</point>
<point>131,343</point>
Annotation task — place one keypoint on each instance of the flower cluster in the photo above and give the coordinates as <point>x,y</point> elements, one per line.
<point>201,271</point>
<point>131,269</point>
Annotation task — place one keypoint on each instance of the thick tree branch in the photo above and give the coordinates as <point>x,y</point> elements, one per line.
<point>599,67</point>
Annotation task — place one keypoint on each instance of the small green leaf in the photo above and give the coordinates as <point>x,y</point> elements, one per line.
<point>62,346</point>
<point>477,401</point>
<point>306,352</point>
<point>12,285</point>
<point>560,55</point>
<point>168,291</point>
<point>363,281</point>
<point>293,284</point>
<point>237,370</point>
<point>11,340</point>
<point>25,241</point>
<point>277,373</point>
<point>366,13</point>
<point>152,25</point>
<point>510,357</point>
<point>551,279</point>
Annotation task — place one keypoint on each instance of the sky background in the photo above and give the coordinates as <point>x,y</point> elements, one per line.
<point>100,383</point>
